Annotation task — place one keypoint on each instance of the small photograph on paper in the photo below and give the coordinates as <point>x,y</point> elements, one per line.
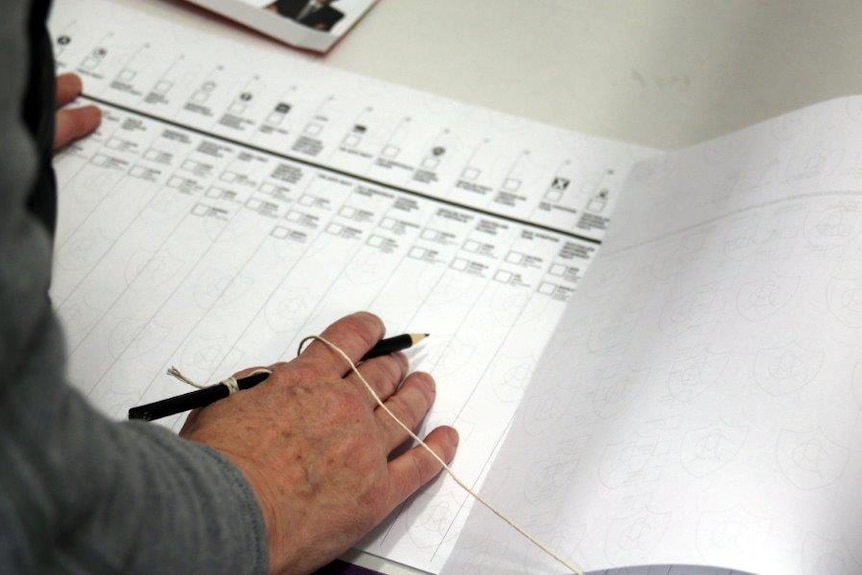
<point>311,24</point>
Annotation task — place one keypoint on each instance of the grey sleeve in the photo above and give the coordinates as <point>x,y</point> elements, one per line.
<point>80,493</point>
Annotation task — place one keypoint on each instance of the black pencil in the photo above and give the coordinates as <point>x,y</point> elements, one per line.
<point>393,344</point>
<point>203,397</point>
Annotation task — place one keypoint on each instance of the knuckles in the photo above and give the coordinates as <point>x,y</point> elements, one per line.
<point>365,326</point>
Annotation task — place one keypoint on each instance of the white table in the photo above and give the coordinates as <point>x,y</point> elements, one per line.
<point>663,73</point>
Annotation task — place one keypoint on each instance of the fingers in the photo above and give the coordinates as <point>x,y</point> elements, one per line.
<point>383,374</point>
<point>410,405</point>
<point>69,87</point>
<point>417,467</point>
<point>355,334</point>
<point>72,124</point>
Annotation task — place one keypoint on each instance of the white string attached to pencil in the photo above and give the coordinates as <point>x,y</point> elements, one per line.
<point>230,383</point>
<point>232,386</point>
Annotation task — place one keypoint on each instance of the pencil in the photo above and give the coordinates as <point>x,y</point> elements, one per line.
<point>393,344</point>
<point>208,395</point>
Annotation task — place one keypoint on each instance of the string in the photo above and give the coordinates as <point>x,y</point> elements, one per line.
<point>230,383</point>
<point>174,372</point>
<point>569,565</point>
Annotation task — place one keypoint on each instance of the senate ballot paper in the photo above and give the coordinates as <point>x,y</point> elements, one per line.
<point>698,400</point>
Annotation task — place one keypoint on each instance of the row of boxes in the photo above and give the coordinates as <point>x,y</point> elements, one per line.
<point>470,173</point>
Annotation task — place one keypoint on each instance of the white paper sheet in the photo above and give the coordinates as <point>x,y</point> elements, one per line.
<point>701,399</point>
<point>235,200</point>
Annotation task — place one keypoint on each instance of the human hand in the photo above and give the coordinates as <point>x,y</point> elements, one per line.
<point>315,449</point>
<point>72,123</point>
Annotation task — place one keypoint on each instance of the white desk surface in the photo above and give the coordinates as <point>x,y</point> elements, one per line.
<point>662,73</point>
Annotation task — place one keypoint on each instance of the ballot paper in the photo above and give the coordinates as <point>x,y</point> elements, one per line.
<point>697,400</point>
<point>239,197</point>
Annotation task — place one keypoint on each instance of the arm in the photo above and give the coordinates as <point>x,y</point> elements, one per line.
<point>78,492</point>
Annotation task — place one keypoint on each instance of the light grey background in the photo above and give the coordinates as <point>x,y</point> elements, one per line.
<point>662,73</point>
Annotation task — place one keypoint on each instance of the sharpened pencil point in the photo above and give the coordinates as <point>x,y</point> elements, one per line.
<point>417,337</point>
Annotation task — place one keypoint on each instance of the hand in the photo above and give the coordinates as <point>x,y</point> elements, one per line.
<point>72,123</point>
<point>315,449</point>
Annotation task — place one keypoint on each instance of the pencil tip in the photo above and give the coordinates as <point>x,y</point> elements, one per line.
<point>417,337</point>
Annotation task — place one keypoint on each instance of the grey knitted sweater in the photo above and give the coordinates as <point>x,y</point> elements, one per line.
<point>80,493</point>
